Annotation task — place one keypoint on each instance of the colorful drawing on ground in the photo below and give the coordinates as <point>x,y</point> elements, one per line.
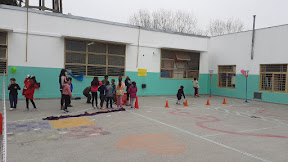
<point>180,112</point>
<point>161,144</point>
<point>212,119</point>
<point>81,132</point>
<point>70,122</point>
<point>27,126</point>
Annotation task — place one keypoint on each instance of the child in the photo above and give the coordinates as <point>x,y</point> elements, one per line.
<point>86,93</point>
<point>113,90</point>
<point>13,95</point>
<point>196,86</point>
<point>71,88</point>
<point>133,94</point>
<point>120,92</point>
<point>31,84</point>
<point>94,89</point>
<point>109,94</point>
<point>179,94</point>
<point>66,95</point>
<point>102,90</point>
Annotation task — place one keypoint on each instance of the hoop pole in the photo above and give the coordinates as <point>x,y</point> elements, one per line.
<point>246,76</point>
<point>210,84</point>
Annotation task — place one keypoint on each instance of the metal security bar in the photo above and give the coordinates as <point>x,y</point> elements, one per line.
<point>179,64</point>
<point>94,58</point>
<point>227,76</point>
<point>273,77</point>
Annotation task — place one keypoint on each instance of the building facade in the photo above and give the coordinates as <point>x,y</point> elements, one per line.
<point>46,42</point>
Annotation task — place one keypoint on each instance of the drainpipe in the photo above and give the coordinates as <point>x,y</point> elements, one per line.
<point>253,38</point>
<point>27,5</point>
<point>138,46</point>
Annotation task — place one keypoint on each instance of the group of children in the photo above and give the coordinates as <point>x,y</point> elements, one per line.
<point>30,84</point>
<point>110,93</point>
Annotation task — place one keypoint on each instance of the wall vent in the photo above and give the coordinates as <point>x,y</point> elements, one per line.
<point>258,95</point>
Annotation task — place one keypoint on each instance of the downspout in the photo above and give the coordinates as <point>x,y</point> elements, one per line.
<point>138,46</point>
<point>27,4</point>
<point>253,38</point>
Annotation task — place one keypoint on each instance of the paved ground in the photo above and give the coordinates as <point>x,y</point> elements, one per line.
<point>237,131</point>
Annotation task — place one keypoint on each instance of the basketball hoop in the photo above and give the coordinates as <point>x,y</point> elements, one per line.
<point>246,73</point>
<point>211,72</point>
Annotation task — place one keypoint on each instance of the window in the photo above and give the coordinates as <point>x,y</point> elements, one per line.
<point>273,78</point>
<point>226,76</point>
<point>179,64</point>
<point>94,58</point>
<point>3,52</point>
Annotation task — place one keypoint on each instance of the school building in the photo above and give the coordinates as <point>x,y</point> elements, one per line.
<point>42,43</point>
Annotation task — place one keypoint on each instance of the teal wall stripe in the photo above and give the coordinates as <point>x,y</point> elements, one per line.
<point>48,77</point>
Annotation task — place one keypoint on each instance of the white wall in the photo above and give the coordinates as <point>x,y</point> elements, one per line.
<point>235,49</point>
<point>42,51</point>
<point>47,32</point>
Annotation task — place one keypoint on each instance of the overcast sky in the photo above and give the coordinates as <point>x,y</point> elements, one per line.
<point>269,12</point>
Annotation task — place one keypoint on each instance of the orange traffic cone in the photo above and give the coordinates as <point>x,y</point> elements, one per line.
<point>224,101</point>
<point>208,103</point>
<point>166,106</point>
<point>186,103</point>
<point>136,104</point>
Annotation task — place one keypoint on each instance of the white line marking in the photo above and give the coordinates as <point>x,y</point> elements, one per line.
<point>203,138</point>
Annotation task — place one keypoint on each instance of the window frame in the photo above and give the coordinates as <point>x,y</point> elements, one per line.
<point>6,59</point>
<point>87,53</point>
<point>173,69</point>
<point>218,72</point>
<point>272,89</point>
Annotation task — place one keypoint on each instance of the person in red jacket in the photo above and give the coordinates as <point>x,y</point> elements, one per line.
<point>30,84</point>
<point>66,95</point>
<point>133,94</point>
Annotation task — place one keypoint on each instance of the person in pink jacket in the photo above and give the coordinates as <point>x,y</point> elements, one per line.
<point>133,94</point>
<point>66,91</point>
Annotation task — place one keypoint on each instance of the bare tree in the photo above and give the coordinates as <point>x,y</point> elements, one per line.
<point>220,27</point>
<point>179,21</point>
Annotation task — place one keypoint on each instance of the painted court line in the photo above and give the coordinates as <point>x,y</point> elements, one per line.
<point>203,138</point>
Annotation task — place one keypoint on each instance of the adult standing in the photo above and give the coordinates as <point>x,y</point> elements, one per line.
<point>94,89</point>
<point>62,78</point>
<point>120,92</point>
<point>128,83</point>
<point>105,79</point>
<point>196,87</point>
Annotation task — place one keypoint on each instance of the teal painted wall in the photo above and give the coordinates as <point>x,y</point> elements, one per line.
<point>253,86</point>
<point>48,78</point>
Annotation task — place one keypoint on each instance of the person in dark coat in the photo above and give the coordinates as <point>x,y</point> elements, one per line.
<point>86,93</point>
<point>128,83</point>
<point>180,94</point>
<point>13,95</point>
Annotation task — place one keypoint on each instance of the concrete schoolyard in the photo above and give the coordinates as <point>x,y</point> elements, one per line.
<point>236,131</point>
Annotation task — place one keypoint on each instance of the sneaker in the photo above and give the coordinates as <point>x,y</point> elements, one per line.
<point>66,110</point>
<point>11,109</point>
<point>69,106</point>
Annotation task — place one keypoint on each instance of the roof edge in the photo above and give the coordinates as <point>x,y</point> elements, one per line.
<point>96,20</point>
